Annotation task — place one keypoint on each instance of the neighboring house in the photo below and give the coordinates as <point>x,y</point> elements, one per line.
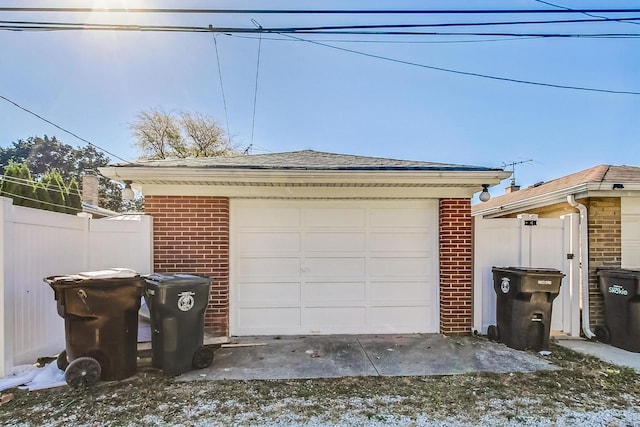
<point>608,200</point>
<point>317,243</point>
<point>90,198</point>
<point>98,212</point>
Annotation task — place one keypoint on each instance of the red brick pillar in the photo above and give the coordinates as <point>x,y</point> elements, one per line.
<point>455,267</point>
<point>191,235</point>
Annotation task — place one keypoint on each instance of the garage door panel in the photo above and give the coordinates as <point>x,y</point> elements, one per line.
<point>397,319</point>
<point>400,218</point>
<point>269,267</point>
<point>268,242</point>
<point>269,217</point>
<point>395,292</point>
<point>334,217</point>
<point>414,241</point>
<point>269,318</point>
<point>335,242</point>
<point>335,292</point>
<point>320,319</point>
<point>331,266</point>
<point>383,266</point>
<point>269,294</point>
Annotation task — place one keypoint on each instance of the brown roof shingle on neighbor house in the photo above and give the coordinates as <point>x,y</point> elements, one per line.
<point>597,178</point>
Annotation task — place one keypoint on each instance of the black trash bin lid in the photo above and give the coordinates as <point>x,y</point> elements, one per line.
<point>527,270</point>
<point>176,279</point>
<point>618,272</point>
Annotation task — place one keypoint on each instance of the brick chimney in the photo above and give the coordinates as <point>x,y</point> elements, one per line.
<point>512,188</point>
<point>90,187</point>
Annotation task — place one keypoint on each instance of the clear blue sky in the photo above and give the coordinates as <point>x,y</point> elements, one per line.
<point>313,97</point>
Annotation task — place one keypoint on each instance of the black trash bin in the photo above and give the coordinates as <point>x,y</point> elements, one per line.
<point>100,311</point>
<point>621,291</point>
<point>524,303</point>
<point>176,309</point>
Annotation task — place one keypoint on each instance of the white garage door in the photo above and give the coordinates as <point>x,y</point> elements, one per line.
<point>328,267</point>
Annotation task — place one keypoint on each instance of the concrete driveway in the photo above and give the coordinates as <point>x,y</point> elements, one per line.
<point>264,358</point>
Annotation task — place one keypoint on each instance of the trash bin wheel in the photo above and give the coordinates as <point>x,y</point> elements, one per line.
<point>83,372</point>
<point>202,358</point>
<point>62,361</point>
<point>492,333</point>
<point>603,335</point>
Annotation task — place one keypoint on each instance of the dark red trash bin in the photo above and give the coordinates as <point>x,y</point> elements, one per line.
<point>100,311</point>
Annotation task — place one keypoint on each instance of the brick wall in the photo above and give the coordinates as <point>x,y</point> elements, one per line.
<point>605,247</point>
<point>455,267</point>
<point>191,235</point>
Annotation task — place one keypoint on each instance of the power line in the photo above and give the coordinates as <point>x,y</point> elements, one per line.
<point>255,92</point>
<point>183,29</point>
<point>465,73</point>
<point>279,39</point>
<point>353,29</point>
<point>42,201</point>
<point>26,182</point>
<point>599,19</point>
<point>312,11</point>
<point>584,13</point>
<point>447,24</point>
<point>62,129</point>
<point>224,99</point>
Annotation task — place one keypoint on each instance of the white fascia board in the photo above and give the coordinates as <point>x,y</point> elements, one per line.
<point>141,175</point>
<point>311,192</point>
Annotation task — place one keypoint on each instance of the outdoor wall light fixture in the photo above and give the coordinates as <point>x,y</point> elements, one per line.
<point>127,193</point>
<point>485,196</point>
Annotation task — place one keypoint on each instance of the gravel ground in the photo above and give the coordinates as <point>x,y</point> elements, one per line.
<point>585,391</point>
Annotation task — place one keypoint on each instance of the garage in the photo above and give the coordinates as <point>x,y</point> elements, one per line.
<point>308,242</point>
<point>333,267</point>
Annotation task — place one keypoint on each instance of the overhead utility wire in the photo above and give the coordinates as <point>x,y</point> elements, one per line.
<point>224,99</point>
<point>255,92</point>
<point>321,28</point>
<point>42,201</point>
<point>584,13</point>
<point>109,27</point>
<point>62,129</point>
<point>279,39</point>
<point>312,11</point>
<point>449,24</point>
<point>465,73</point>
<point>26,182</point>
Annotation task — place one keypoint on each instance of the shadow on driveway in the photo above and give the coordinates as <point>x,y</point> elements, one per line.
<point>333,356</point>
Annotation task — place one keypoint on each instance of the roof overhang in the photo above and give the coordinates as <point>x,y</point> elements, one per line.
<point>244,182</point>
<point>580,191</point>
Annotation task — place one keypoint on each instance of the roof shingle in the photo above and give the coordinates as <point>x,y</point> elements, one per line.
<point>303,160</point>
<point>597,174</point>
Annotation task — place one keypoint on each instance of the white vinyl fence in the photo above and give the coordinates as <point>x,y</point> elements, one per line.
<point>35,244</point>
<point>527,241</point>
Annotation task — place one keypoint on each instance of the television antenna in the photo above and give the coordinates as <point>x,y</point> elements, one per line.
<point>512,165</point>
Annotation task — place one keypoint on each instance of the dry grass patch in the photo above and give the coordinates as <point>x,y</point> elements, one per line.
<point>583,384</point>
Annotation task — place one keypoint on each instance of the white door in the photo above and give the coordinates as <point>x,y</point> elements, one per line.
<point>329,267</point>
<point>630,242</point>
